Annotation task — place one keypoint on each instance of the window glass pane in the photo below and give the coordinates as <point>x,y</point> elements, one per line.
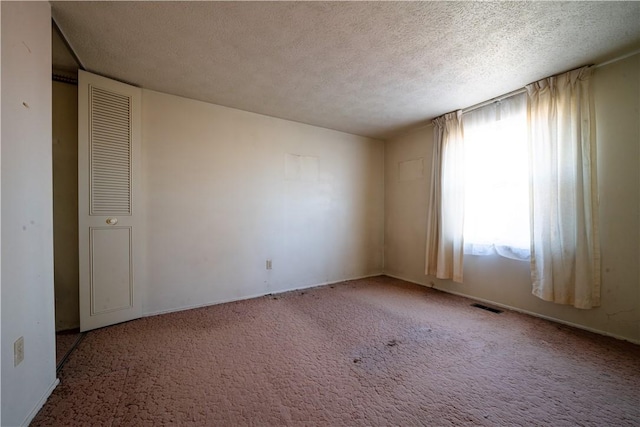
<point>496,178</point>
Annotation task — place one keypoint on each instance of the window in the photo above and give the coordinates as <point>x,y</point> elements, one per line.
<point>529,155</point>
<point>496,217</point>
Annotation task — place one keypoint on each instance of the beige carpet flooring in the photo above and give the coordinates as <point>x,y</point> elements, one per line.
<point>369,352</point>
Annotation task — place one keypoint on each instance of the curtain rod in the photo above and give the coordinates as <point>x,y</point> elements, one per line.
<point>492,100</point>
<point>618,58</point>
<point>474,107</point>
<point>516,92</point>
<point>523,90</point>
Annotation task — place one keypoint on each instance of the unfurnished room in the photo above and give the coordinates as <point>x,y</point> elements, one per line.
<point>320,213</point>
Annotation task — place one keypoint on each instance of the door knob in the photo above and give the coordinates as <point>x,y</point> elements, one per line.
<point>112,221</point>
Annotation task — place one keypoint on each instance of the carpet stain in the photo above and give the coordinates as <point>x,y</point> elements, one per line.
<point>376,351</point>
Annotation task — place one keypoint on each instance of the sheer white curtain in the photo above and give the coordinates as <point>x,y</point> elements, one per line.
<point>497,179</point>
<point>444,254</point>
<point>565,253</point>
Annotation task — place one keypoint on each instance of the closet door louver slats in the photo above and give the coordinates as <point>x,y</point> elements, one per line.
<point>110,151</point>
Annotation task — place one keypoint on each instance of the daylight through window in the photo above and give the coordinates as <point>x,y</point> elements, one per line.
<point>497,179</point>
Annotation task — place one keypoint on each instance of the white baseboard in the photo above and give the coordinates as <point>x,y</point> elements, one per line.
<point>41,403</point>
<point>258,295</point>
<point>520,310</point>
<point>542,316</point>
<point>508,307</point>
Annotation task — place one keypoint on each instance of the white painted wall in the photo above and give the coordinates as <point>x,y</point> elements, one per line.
<point>219,204</point>
<point>504,281</point>
<point>65,204</point>
<point>27,243</point>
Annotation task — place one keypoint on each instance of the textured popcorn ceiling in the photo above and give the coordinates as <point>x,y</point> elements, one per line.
<point>371,69</point>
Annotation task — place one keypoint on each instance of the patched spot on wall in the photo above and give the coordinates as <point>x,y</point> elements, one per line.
<point>301,168</point>
<point>410,170</point>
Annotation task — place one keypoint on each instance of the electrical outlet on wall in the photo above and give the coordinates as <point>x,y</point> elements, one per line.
<point>18,351</point>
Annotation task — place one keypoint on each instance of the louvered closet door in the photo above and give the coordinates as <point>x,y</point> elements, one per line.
<point>109,181</point>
